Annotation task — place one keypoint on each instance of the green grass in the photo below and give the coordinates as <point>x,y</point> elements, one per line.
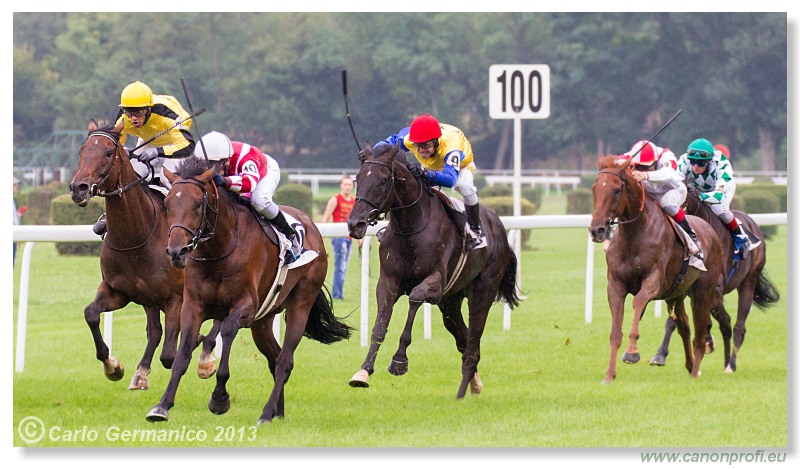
<point>541,377</point>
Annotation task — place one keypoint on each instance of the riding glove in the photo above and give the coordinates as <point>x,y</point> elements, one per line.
<point>148,155</point>
<point>220,181</point>
<point>416,170</point>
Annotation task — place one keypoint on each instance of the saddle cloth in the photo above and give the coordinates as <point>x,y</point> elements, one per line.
<point>691,248</point>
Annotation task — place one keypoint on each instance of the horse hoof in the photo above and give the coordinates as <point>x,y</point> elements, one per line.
<point>729,370</point>
<point>360,379</point>
<point>117,371</point>
<point>207,370</point>
<point>138,383</point>
<point>658,360</point>
<point>219,407</point>
<point>475,384</point>
<point>158,414</point>
<point>732,364</point>
<point>398,368</point>
<point>710,346</point>
<point>630,358</point>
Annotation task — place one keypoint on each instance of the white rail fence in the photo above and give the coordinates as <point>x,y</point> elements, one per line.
<point>32,234</point>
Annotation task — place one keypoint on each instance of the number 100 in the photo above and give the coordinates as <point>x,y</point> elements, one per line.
<point>518,89</point>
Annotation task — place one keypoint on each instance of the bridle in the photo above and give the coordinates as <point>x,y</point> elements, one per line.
<point>627,188</point>
<point>95,189</point>
<point>378,213</point>
<point>200,234</point>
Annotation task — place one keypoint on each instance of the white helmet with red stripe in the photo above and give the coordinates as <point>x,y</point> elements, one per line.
<point>217,147</point>
<point>646,153</point>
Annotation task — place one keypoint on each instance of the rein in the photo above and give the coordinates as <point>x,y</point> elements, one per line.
<point>377,214</point>
<point>627,188</point>
<point>199,235</point>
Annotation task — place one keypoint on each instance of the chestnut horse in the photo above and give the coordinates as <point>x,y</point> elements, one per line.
<point>418,256</point>
<point>228,278</point>
<point>645,258</point>
<point>746,276</point>
<point>132,258</point>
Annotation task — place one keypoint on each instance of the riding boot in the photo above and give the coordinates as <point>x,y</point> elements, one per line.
<point>688,229</point>
<point>741,242</point>
<point>100,226</point>
<point>474,221</point>
<point>295,250</point>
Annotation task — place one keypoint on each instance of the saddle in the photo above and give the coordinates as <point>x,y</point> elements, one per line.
<point>454,209</point>
<point>266,226</point>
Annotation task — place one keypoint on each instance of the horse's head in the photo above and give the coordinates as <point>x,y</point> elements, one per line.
<point>375,181</point>
<point>100,161</point>
<point>187,205</point>
<point>612,194</point>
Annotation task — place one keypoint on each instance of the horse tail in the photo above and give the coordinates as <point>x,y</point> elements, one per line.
<point>766,293</point>
<point>508,284</point>
<point>322,325</point>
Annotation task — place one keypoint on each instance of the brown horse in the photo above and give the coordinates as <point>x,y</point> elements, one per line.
<point>419,254</point>
<point>746,276</point>
<point>132,257</point>
<point>229,277</point>
<point>646,259</point>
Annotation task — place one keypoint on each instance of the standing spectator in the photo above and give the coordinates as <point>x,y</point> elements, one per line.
<point>339,208</point>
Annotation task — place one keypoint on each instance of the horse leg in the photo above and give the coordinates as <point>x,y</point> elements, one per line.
<point>220,401</point>
<point>387,294</point>
<point>399,364</point>
<point>660,357</point>
<point>207,366</point>
<point>190,328</point>
<point>719,313</point>
<point>265,341</point>
<point>139,380</point>
<point>701,308</point>
<point>296,319</point>
<point>429,290</point>
<point>172,326</point>
<point>479,301</point>
<point>454,323</point>
<point>106,299</point>
<point>631,354</point>
<point>746,293</point>
<point>682,324</point>
<point>616,301</point>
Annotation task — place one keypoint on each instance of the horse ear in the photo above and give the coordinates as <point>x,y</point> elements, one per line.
<point>169,175</point>
<point>394,151</point>
<point>92,125</point>
<point>206,176</point>
<point>365,152</point>
<point>623,163</point>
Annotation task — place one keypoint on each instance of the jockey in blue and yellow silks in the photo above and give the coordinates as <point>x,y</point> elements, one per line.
<point>446,158</point>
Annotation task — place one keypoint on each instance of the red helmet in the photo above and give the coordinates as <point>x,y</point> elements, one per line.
<point>646,156</point>
<point>424,128</point>
<point>724,149</point>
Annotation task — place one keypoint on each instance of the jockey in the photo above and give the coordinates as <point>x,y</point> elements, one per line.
<point>711,173</point>
<point>446,158</point>
<point>145,115</point>
<point>656,168</point>
<point>247,170</point>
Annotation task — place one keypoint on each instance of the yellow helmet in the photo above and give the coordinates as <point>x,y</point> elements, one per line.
<point>136,95</point>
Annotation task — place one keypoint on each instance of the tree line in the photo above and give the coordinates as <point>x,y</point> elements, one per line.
<point>274,79</point>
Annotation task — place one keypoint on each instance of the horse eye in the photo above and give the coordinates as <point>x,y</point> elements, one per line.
<point>109,153</point>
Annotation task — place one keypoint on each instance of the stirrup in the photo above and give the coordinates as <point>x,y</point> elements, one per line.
<point>477,240</point>
<point>100,226</point>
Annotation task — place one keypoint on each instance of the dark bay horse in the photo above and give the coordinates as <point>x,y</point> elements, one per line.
<point>132,258</point>
<point>746,276</point>
<point>645,259</point>
<point>230,267</point>
<point>419,254</point>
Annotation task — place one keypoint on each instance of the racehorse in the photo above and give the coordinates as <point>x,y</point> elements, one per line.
<point>132,256</point>
<point>230,275</point>
<point>746,276</point>
<point>646,259</point>
<point>422,255</point>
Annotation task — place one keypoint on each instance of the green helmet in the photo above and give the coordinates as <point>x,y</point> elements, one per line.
<point>700,149</point>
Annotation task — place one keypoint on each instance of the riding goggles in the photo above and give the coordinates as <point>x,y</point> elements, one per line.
<point>699,154</point>
<point>138,112</point>
<point>701,163</point>
<point>424,145</point>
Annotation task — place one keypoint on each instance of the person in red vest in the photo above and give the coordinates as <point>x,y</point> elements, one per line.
<point>338,210</point>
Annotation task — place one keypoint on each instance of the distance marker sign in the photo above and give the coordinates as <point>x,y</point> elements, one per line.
<point>519,91</point>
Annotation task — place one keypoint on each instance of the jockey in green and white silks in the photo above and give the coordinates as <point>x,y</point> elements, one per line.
<point>707,169</point>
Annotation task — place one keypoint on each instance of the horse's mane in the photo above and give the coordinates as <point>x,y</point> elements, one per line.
<point>608,162</point>
<point>191,167</point>
<point>106,129</point>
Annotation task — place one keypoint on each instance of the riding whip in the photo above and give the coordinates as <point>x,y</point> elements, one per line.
<point>347,109</point>
<point>650,140</point>
<point>200,134</point>
<point>199,111</point>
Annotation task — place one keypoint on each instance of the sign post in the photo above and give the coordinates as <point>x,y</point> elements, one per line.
<point>518,92</point>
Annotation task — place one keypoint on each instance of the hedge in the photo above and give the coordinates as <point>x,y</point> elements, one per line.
<point>38,201</point>
<point>63,211</point>
<point>758,201</point>
<point>297,196</point>
<point>580,201</point>
<point>504,206</point>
